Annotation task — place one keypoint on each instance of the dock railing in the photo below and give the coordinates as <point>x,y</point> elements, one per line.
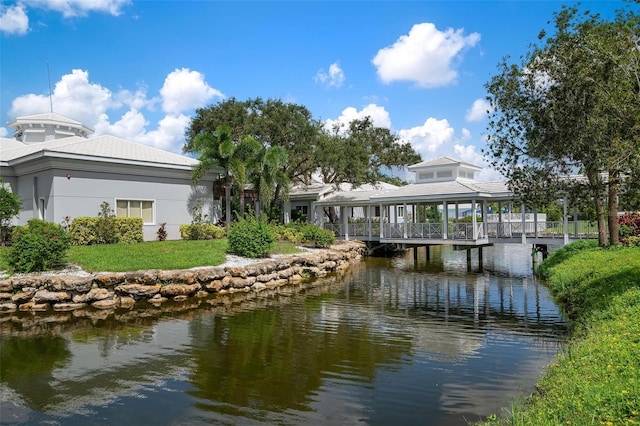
<point>465,231</point>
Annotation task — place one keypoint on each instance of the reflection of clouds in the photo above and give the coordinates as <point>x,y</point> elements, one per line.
<point>483,397</point>
<point>99,376</point>
<point>447,342</point>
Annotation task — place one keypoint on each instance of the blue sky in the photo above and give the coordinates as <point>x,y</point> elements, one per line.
<point>139,69</point>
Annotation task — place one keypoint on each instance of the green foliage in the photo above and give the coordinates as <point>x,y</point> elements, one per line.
<point>38,246</point>
<point>10,206</point>
<point>201,231</point>
<point>251,237</point>
<point>290,232</point>
<point>86,230</point>
<point>313,234</point>
<point>565,253</point>
<point>105,226</point>
<point>631,241</point>
<point>571,104</point>
<point>128,229</point>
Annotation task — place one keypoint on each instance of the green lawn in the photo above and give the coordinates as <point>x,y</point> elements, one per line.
<point>164,255</point>
<point>596,380</point>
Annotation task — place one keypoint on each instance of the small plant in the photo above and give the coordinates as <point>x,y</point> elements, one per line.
<point>251,237</point>
<point>313,234</point>
<point>162,232</point>
<point>106,226</point>
<point>38,246</point>
<point>200,229</point>
<point>66,223</point>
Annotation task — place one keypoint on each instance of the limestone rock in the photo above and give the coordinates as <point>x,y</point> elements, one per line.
<point>180,298</point>
<point>109,279</point>
<point>69,283</point>
<point>267,277</point>
<point>138,290</point>
<point>5,296</point>
<point>142,277</point>
<point>22,297</point>
<point>214,286</point>
<point>236,271</point>
<point>111,303</point>
<point>50,296</point>
<point>93,295</point>
<point>177,277</point>
<point>6,285</point>
<point>33,307</point>
<point>127,302</point>
<point>210,274</point>
<point>172,290</point>
<point>8,307</point>
<point>63,307</point>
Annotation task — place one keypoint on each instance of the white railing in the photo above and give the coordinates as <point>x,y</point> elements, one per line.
<point>465,231</point>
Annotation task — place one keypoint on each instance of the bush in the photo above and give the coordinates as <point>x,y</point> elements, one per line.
<point>632,241</point>
<point>251,237</point>
<point>85,231</point>
<point>128,229</point>
<point>313,234</point>
<point>38,246</point>
<point>290,232</point>
<point>201,231</point>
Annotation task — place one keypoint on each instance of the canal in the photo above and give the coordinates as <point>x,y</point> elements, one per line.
<point>393,341</point>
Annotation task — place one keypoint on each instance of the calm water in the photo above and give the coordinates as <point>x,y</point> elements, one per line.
<point>392,342</point>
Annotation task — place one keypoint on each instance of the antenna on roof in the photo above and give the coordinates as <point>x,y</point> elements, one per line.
<point>50,95</point>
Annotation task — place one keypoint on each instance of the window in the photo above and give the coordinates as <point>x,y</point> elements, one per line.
<point>425,175</point>
<point>400,211</point>
<point>445,174</point>
<point>136,208</point>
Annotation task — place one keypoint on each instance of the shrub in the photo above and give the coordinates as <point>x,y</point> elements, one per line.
<point>38,246</point>
<point>290,232</point>
<point>629,225</point>
<point>632,241</point>
<point>105,226</point>
<point>251,237</point>
<point>10,206</point>
<point>162,232</point>
<point>85,231</point>
<point>313,234</point>
<point>201,231</point>
<point>128,230</point>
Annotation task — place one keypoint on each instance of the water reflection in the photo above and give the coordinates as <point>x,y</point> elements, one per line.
<point>394,341</point>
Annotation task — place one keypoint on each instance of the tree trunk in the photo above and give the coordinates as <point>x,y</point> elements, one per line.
<point>614,236</point>
<point>602,225</point>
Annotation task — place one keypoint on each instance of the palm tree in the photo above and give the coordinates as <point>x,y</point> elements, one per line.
<point>269,177</point>
<point>219,150</point>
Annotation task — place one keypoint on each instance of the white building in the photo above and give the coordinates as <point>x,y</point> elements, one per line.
<point>59,171</point>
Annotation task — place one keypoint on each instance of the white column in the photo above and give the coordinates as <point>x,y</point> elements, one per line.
<point>345,222</point>
<point>381,221</point>
<point>404,221</point>
<point>287,212</point>
<point>524,223</point>
<point>485,225</point>
<point>474,220</point>
<point>565,220</point>
<point>445,220</point>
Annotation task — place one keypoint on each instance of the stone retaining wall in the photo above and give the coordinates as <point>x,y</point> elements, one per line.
<point>122,290</point>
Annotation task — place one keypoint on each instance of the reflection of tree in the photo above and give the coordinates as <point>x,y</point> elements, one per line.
<point>275,359</point>
<point>26,364</point>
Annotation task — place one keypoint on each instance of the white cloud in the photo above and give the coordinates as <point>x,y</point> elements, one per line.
<point>425,56</point>
<point>185,90</point>
<point>430,137</point>
<point>14,20</point>
<point>72,8</point>
<point>3,132</point>
<point>478,110</point>
<point>76,97</point>
<point>334,78</point>
<point>379,116</point>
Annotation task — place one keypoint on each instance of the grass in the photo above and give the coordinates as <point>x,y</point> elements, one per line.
<point>596,380</point>
<point>164,255</point>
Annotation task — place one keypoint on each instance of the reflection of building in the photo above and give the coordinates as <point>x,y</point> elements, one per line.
<point>59,171</point>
